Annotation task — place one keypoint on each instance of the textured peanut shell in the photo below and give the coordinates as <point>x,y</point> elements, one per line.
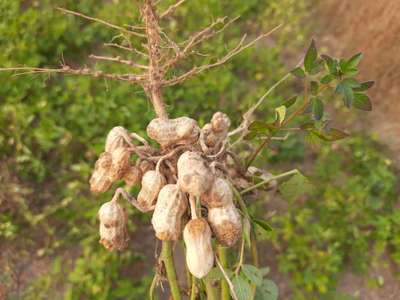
<point>226,224</point>
<point>120,163</point>
<point>115,139</point>
<point>220,122</point>
<point>132,176</point>
<point>100,181</point>
<point>194,176</point>
<point>167,217</point>
<point>199,252</point>
<point>152,182</point>
<point>113,233</point>
<point>219,195</point>
<point>167,132</point>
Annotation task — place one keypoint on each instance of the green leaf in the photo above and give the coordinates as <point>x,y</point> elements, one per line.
<point>332,64</point>
<point>242,287</point>
<point>214,275</point>
<point>263,224</point>
<point>298,72</point>
<point>331,135</point>
<point>364,86</point>
<point>246,231</point>
<point>264,271</point>
<point>267,291</point>
<point>318,67</point>
<point>317,109</point>
<point>307,126</point>
<point>288,103</point>
<point>310,57</point>
<point>362,101</point>
<point>314,87</point>
<point>327,79</point>
<point>298,185</point>
<point>345,87</point>
<point>253,274</point>
<point>280,114</point>
<point>354,60</point>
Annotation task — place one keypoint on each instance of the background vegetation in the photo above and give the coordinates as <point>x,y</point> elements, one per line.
<point>53,128</point>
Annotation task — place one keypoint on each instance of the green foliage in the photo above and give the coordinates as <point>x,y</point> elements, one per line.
<point>348,217</point>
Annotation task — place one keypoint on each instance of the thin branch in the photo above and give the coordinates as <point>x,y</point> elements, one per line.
<point>198,69</point>
<point>67,11</point>
<point>196,39</point>
<point>230,284</point>
<point>118,60</point>
<point>83,71</point>
<point>171,9</point>
<point>115,45</point>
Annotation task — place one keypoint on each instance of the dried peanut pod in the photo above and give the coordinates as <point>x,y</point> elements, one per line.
<point>100,181</point>
<point>152,183</point>
<point>116,139</point>
<point>194,176</point>
<point>226,224</point>
<point>212,138</point>
<point>220,122</point>
<point>167,132</point>
<point>146,165</point>
<point>132,176</point>
<point>167,217</point>
<point>199,252</point>
<point>113,219</point>
<point>219,195</point>
<point>120,163</point>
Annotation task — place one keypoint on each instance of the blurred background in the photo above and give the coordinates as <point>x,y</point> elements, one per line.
<point>339,241</point>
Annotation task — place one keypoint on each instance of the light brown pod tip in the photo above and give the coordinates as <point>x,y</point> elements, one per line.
<point>116,138</point>
<point>226,224</point>
<point>152,182</point>
<point>199,252</point>
<point>167,132</point>
<point>220,122</point>
<point>219,195</point>
<point>113,233</point>
<point>100,181</point>
<point>194,176</point>
<point>167,217</point>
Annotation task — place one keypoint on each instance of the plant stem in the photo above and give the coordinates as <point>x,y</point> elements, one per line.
<point>210,290</point>
<point>223,257</point>
<point>193,293</point>
<point>253,187</point>
<point>255,153</point>
<point>168,260</point>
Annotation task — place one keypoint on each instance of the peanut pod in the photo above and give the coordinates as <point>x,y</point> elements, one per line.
<point>219,195</point>
<point>113,219</point>
<point>194,176</point>
<point>116,138</point>
<point>100,181</point>
<point>120,163</point>
<point>226,224</point>
<point>199,252</point>
<point>167,132</point>
<point>152,183</point>
<point>132,176</point>
<point>167,217</point>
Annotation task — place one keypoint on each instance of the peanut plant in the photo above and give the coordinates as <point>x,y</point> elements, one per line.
<point>196,180</point>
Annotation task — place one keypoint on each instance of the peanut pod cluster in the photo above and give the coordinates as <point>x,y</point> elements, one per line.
<point>187,182</point>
